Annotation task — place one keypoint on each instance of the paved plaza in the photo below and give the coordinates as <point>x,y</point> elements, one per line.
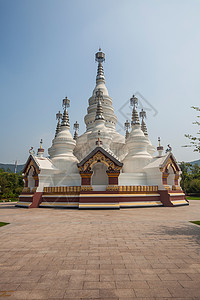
<point>143,253</point>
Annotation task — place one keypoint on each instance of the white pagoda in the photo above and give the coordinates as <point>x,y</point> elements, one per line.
<point>101,168</point>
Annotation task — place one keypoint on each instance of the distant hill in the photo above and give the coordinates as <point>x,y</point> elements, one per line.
<point>195,162</point>
<point>11,167</point>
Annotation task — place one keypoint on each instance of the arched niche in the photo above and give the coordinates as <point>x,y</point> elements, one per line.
<point>31,180</point>
<point>99,176</point>
<point>171,176</point>
<point>99,168</point>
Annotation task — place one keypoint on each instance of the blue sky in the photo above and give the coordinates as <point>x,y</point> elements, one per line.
<point>47,52</point>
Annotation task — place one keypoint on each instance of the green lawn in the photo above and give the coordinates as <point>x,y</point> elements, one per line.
<point>193,198</point>
<point>9,200</point>
<point>195,222</point>
<point>3,224</point>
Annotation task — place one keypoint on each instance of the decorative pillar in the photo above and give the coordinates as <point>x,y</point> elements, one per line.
<point>35,177</point>
<point>176,178</point>
<point>113,177</point>
<point>164,177</point>
<point>86,178</point>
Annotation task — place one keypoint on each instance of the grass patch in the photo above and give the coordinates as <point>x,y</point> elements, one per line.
<point>3,224</point>
<point>9,200</point>
<point>195,222</point>
<point>193,198</point>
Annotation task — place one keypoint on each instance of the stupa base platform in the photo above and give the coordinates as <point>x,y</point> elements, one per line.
<point>115,197</point>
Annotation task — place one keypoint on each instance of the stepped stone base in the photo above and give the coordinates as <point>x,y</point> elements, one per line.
<point>115,197</point>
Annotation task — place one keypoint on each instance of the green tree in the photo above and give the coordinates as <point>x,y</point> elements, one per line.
<point>194,140</point>
<point>185,176</point>
<point>11,184</point>
<point>190,178</point>
<point>194,187</point>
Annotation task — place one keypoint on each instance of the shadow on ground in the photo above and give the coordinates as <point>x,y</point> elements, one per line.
<point>191,231</point>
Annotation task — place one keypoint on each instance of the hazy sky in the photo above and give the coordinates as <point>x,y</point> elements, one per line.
<point>47,52</point>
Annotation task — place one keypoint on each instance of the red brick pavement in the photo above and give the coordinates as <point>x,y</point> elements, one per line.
<point>143,253</point>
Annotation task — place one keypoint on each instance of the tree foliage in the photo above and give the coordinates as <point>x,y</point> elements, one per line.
<point>190,178</point>
<point>11,184</point>
<point>194,140</point>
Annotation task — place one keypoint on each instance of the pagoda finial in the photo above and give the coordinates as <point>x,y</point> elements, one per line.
<point>160,148</point>
<point>99,111</point>
<point>40,151</point>
<point>100,58</point>
<point>143,124</point>
<point>159,141</point>
<point>135,118</point>
<point>65,117</point>
<point>76,128</point>
<point>58,117</point>
<point>127,126</point>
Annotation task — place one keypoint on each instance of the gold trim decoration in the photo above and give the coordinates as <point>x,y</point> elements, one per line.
<point>86,175</point>
<point>62,189</point>
<point>165,175</point>
<point>99,157</point>
<point>86,188</point>
<point>34,167</point>
<point>132,189</point>
<point>136,188</point>
<point>112,174</point>
<point>112,188</point>
<point>167,187</point>
<point>176,188</point>
<point>169,163</point>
